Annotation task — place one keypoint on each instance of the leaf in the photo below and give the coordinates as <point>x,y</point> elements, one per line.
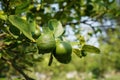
<point>46,30</point>
<point>91,49</point>
<point>3,17</point>
<point>14,30</point>
<point>0,55</point>
<point>11,33</point>
<point>77,52</point>
<point>81,40</point>
<point>22,7</point>
<point>56,27</point>
<point>32,22</point>
<point>22,25</point>
<point>83,53</point>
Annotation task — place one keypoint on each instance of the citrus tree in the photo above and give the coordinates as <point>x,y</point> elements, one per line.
<point>30,29</point>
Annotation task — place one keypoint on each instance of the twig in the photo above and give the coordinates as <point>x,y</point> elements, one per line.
<point>21,72</point>
<point>13,64</point>
<point>50,60</point>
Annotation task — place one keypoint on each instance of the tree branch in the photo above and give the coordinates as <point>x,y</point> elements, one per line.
<point>17,68</point>
<point>21,72</point>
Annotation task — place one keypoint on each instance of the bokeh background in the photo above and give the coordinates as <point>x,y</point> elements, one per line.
<point>98,21</point>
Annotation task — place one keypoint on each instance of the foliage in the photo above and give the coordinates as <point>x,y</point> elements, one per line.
<point>21,47</point>
<point>110,51</point>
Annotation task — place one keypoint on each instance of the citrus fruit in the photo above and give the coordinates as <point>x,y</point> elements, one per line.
<point>62,52</point>
<point>46,43</point>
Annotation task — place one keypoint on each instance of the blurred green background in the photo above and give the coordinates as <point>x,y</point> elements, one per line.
<point>98,21</point>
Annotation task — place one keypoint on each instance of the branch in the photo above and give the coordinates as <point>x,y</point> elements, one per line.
<point>76,23</point>
<point>21,72</point>
<point>17,68</point>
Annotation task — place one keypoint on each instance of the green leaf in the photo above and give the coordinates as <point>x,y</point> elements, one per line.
<point>77,52</point>
<point>22,7</point>
<point>91,49</point>
<point>56,27</point>
<point>83,53</point>
<point>32,23</point>
<point>11,33</point>
<point>22,25</point>
<point>81,40</point>
<point>14,30</point>
<point>3,17</point>
<point>0,55</point>
<point>46,30</point>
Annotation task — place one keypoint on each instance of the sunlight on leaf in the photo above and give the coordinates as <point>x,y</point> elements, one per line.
<point>22,25</point>
<point>3,17</point>
<point>56,27</point>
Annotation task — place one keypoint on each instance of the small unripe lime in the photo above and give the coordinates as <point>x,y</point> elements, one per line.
<point>64,60</point>
<point>63,52</point>
<point>46,43</point>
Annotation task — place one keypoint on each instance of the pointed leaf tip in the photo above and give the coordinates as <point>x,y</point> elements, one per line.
<point>90,48</point>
